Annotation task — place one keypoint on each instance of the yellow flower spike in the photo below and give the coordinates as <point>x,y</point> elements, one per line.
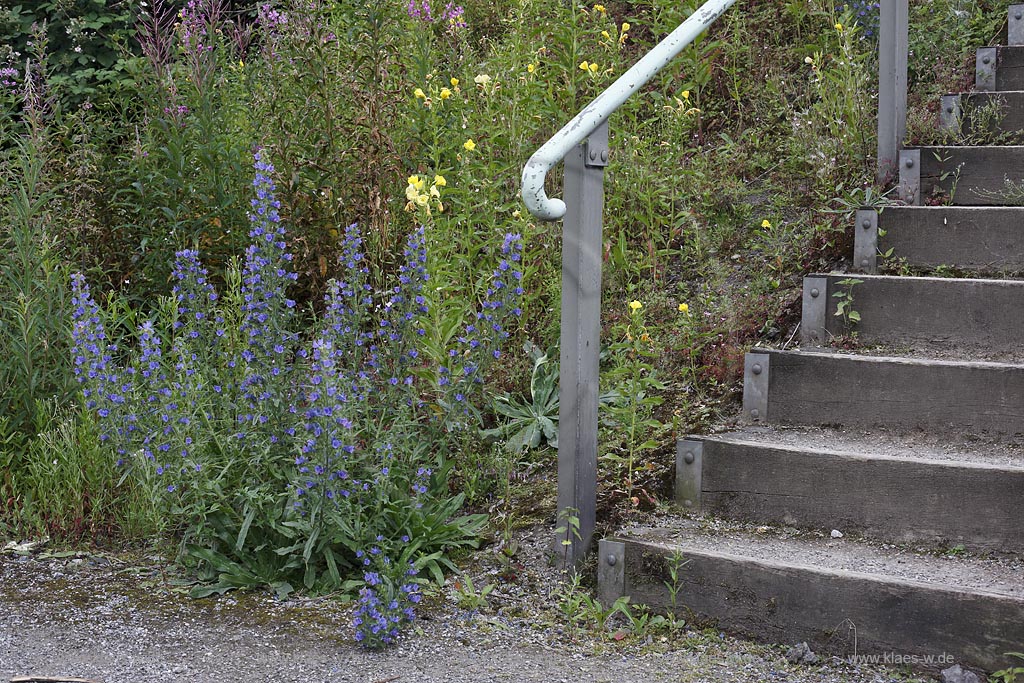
<point>635,306</point>
<point>593,67</point>
<point>683,308</point>
<point>469,145</point>
<point>445,93</point>
<point>584,65</point>
<point>440,181</point>
<point>419,94</point>
<point>766,223</point>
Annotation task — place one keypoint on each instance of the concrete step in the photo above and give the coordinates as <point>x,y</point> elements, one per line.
<point>983,117</point>
<point>893,487</point>
<point>842,597</point>
<point>816,388</point>
<point>893,310</point>
<point>970,238</point>
<point>962,176</point>
<point>999,68</point>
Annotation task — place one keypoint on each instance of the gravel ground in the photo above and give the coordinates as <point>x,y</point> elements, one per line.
<point>117,618</point>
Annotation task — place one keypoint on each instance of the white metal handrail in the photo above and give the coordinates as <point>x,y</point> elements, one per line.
<point>598,111</point>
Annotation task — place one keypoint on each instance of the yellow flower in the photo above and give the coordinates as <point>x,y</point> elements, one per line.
<point>434,192</point>
<point>683,308</point>
<point>440,181</point>
<point>686,94</point>
<point>422,199</point>
<point>469,145</point>
<point>635,306</point>
<point>455,82</point>
<point>584,65</point>
<point>839,28</point>
<point>419,94</point>
<point>604,34</point>
<point>599,8</point>
<point>530,68</point>
<point>415,181</point>
<point>593,67</point>
<point>482,79</point>
<point>625,26</point>
<point>445,93</point>
<point>766,223</point>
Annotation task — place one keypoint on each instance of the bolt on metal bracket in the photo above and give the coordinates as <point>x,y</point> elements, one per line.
<point>814,320</point>
<point>865,241</point>
<point>755,387</point>
<point>689,466</point>
<point>910,176</point>
<point>1015,27</point>
<point>611,570</point>
<point>951,115</point>
<point>595,148</point>
<point>985,69</point>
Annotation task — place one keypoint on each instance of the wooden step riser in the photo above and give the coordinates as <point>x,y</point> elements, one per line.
<point>907,311</point>
<point>976,239</point>
<point>832,389</point>
<point>836,613</point>
<point>962,176</point>
<point>981,118</point>
<point>999,69</point>
<point>896,500</point>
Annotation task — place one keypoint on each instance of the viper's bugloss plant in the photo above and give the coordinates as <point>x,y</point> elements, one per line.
<point>321,461</point>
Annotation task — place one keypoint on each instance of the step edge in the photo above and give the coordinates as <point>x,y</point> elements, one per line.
<point>866,278</point>
<point>860,457</point>
<point>899,360</point>
<point>623,537</point>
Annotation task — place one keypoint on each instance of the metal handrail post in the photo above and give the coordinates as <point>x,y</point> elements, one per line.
<point>893,47</point>
<point>583,144</point>
<point>578,383</point>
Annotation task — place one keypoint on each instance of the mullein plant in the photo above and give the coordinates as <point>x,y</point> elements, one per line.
<point>218,406</point>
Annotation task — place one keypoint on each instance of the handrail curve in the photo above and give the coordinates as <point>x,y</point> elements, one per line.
<point>602,106</point>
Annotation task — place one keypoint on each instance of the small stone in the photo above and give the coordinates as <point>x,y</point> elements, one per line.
<point>801,653</point>
<point>958,674</point>
<point>836,533</point>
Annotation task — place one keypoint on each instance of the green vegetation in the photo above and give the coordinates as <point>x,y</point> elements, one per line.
<point>732,174</point>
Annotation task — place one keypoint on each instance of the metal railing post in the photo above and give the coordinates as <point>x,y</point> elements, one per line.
<point>893,45</point>
<point>581,273</point>
<point>580,344</point>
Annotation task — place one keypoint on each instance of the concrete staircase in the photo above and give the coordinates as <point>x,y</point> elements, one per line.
<point>873,502</point>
